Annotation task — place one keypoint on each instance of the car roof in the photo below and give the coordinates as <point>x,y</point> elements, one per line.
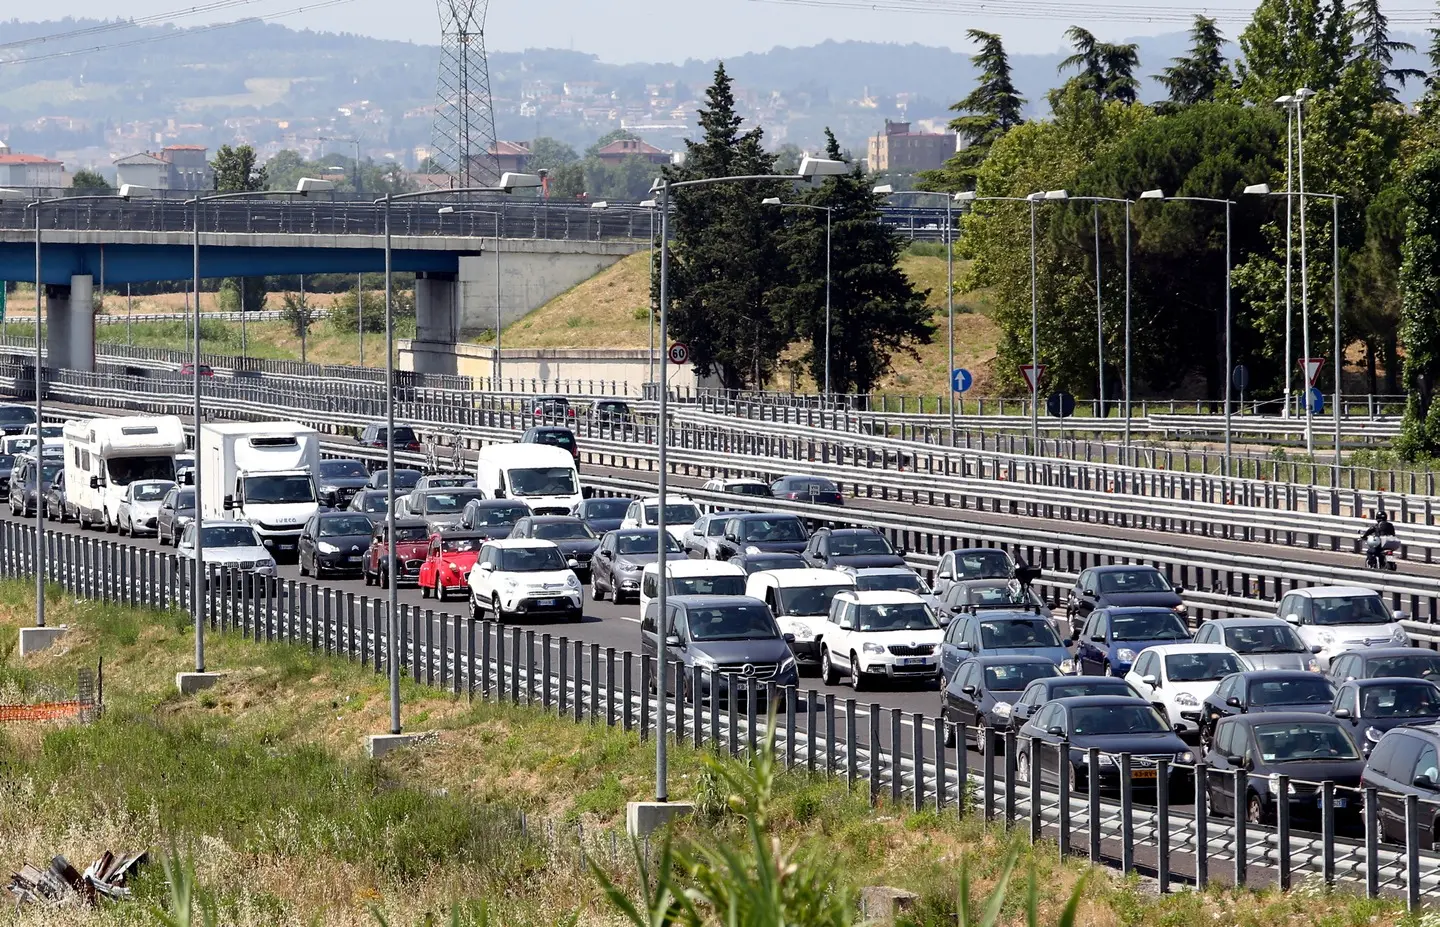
<point>1123,568</point>
<point>1005,614</point>
<point>808,577</point>
<point>1135,609</point>
<point>1099,701</point>
<point>492,503</point>
<point>1164,649</point>
<point>550,429</point>
<point>335,513</point>
<point>401,522</point>
<point>1376,681</point>
<point>710,601</point>
<point>884,571</point>
<point>1369,652</point>
<point>994,659</point>
<point>1333,590</point>
<point>670,499</point>
<point>552,519</point>
<point>1116,681</point>
<point>688,568</point>
<point>225,523</point>
<point>834,531</point>
<point>746,516</point>
<point>454,534</point>
<point>1280,717</point>
<point>509,542</point>
<point>882,597</point>
<point>1263,675</point>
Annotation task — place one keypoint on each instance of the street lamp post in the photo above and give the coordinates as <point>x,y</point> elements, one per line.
<point>496,215</point>
<point>1338,361</point>
<point>127,192</point>
<point>829,215</point>
<point>1294,104</point>
<point>304,187</point>
<point>810,168</point>
<point>1229,352</point>
<point>649,207</point>
<point>508,182</point>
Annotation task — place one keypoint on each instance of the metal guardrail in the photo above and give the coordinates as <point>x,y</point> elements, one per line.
<point>477,658</point>
<point>265,315</point>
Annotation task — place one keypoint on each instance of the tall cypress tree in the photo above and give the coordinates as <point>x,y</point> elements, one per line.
<point>1105,69</point>
<point>991,109</point>
<point>723,254</point>
<point>1195,77</point>
<point>875,312</point>
<point>1374,46</point>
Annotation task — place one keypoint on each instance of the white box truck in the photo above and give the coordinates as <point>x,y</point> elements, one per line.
<point>261,473</point>
<point>105,455</point>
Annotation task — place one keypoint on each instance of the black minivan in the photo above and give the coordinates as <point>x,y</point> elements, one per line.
<point>1406,761</point>
<point>731,637</point>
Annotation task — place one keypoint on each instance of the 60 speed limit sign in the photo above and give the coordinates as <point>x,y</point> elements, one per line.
<point>679,352</point>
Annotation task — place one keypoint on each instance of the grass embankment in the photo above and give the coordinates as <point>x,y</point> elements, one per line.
<point>262,780</point>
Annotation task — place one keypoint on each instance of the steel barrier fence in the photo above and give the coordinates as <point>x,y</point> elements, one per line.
<point>470,658</point>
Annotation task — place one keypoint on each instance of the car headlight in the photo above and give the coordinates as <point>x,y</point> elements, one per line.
<point>1312,664</point>
<point>1125,655</point>
<point>1326,638</point>
<point>1002,709</point>
<point>1373,734</point>
<point>1400,637</point>
<point>268,565</point>
<point>625,566</point>
<point>328,490</point>
<point>868,647</point>
<point>787,664</point>
<point>325,547</point>
<point>1105,758</point>
<point>752,549</point>
<point>510,582</point>
<point>802,632</point>
<point>1184,756</point>
<point>1186,699</point>
<point>572,581</point>
<point>1067,667</point>
<point>704,662</point>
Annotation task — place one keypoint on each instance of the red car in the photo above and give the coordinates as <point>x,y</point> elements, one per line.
<point>412,537</point>
<point>448,562</point>
<point>188,370</point>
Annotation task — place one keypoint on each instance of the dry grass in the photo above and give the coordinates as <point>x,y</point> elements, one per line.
<point>610,310</point>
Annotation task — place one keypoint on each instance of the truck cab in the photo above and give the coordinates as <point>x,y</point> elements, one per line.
<point>262,474</point>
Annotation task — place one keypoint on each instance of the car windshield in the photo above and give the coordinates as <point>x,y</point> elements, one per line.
<point>1400,700</point>
<point>1013,677</point>
<point>747,489</point>
<point>460,545</point>
<point>22,445</point>
<point>809,600</point>
<point>1351,609</point>
<point>563,530</point>
<point>731,623</point>
<point>1021,632</point>
<point>150,492</point>
<point>404,434</point>
<point>983,564</point>
<point>447,503</point>
<point>1116,719</point>
<point>497,516</point>
<point>412,533</point>
<point>126,470</point>
<point>605,508</point>
<point>676,513</point>
<point>1159,625</point>
<point>1095,685</point>
<point>342,470</point>
<point>1008,594</point>
<point>374,502</point>
<point>443,482</point>
<point>1286,742</point>
<point>555,438</point>
<point>1200,667</point>
<point>1298,690</point>
<point>531,560</point>
<point>278,490</point>
<point>1128,581</point>
<point>1271,637</point>
<point>1425,665</point>
<point>344,526</point>
<point>16,415</point>
<point>185,499</point>
<point>230,536</point>
<point>891,582</point>
<point>901,616</point>
<point>404,479</point>
<point>813,485</point>
<point>707,585</point>
<point>854,545</point>
<point>49,472</point>
<point>543,481</point>
<point>779,528</point>
<point>644,542</point>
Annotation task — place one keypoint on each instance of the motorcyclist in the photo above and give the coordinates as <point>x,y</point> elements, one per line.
<point>1376,536</point>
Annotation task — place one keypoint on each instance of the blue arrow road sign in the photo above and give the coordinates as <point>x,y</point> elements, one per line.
<point>960,379</point>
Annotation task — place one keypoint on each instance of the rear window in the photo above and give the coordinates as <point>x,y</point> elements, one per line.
<point>1014,677</point>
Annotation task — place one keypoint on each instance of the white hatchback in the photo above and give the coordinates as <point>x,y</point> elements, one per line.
<point>1176,678</point>
<point>524,577</point>
<point>680,515</point>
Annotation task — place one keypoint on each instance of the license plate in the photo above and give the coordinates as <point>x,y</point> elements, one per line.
<point>1142,774</point>
<point>355,558</point>
<point>287,546</point>
<point>545,603</point>
<point>912,661</point>
<point>1336,803</point>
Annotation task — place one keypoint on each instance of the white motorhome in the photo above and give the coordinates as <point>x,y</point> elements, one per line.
<point>105,455</point>
<point>541,476</point>
<point>261,473</point>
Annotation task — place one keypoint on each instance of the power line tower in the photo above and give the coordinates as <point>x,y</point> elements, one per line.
<point>464,133</point>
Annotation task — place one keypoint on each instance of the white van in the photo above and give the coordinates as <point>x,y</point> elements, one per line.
<point>105,455</point>
<point>541,476</point>
<point>691,577</point>
<point>800,600</point>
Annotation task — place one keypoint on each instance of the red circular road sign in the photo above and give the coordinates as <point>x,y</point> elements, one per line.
<point>679,352</point>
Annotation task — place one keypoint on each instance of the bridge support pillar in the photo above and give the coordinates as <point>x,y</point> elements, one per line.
<point>437,323</point>
<point>70,324</point>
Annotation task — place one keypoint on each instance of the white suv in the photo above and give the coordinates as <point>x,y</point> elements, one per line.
<point>1341,618</point>
<point>871,634</point>
<point>524,577</point>
<point>681,513</point>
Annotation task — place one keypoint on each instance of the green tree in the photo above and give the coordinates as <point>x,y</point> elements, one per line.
<point>1420,315</point>
<point>89,182</point>
<point>566,182</point>
<point>237,169</point>
<point>1290,44</point>
<point>787,158</point>
<point>1105,69</point>
<point>548,154</point>
<point>614,135</point>
<point>993,108</point>
<point>723,259</point>
<point>1195,77</point>
<point>1374,46</point>
<point>875,312</point>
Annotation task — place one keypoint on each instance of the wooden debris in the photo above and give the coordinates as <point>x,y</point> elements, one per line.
<point>61,884</point>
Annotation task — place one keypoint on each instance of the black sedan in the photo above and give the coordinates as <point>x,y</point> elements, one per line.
<point>494,518</point>
<point>1113,724</point>
<point>762,533</point>
<point>1259,691</point>
<point>815,490</point>
<point>1122,585</point>
<point>574,538</point>
<point>337,481</point>
<point>602,514</point>
<point>858,548</point>
<point>982,693</point>
<point>1308,748</point>
<point>334,542</point>
<point>405,478</point>
<point>372,501</point>
<point>776,560</point>
<point>1373,662</point>
<point>1374,706</point>
<point>1040,691</point>
<point>7,466</point>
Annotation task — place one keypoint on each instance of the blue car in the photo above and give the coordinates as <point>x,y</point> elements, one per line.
<point>1113,636</point>
<point>993,632</point>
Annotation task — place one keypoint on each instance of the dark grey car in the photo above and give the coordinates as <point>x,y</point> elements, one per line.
<point>602,513</point>
<point>735,638</point>
<point>371,501</point>
<point>834,548</point>
<point>622,557</point>
<point>442,508</point>
<point>177,510</point>
<point>334,542</point>
<point>576,541</point>
<point>7,467</point>
<point>337,481</point>
<point>495,518</point>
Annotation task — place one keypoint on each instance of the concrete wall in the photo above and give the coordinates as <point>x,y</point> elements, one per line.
<point>547,365</point>
<point>528,279</point>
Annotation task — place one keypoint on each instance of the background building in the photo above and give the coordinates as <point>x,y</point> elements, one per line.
<point>176,167</point>
<point>900,151</point>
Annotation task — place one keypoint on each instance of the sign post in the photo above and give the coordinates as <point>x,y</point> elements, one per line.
<point>1032,374</point>
<point>1311,368</point>
<point>1060,405</point>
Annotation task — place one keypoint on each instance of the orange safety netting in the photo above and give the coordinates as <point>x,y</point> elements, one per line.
<point>44,711</point>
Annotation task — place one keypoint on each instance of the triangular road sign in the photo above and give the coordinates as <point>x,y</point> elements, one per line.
<point>1311,366</point>
<point>1032,374</point>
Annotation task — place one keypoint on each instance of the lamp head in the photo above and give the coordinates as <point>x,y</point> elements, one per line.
<point>1057,194</point>
<point>1153,195</point>
<point>822,167</point>
<point>1258,189</point>
<point>309,185</point>
<point>884,189</point>
<point>965,196</point>
<point>770,201</point>
<point>446,210</point>
<point>600,204</point>
<point>647,204</point>
<point>134,191</point>
<point>1303,94</point>
<point>510,181</point>
<point>1285,100</point>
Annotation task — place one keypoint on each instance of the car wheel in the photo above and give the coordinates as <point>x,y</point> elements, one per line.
<point>477,611</point>
<point>300,561</point>
<point>1022,768</point>
<point>827,668</point>
<point>982,737</point>
<point>949,728</point>
<point>365,575</point>
<point>120,528</point>
<point>857,678</point>
<point>424,591</point>
<point>442,591</point>
<point>105,521</point>
<point>495,607</point>
<point>1255,811</point>
<point>596,590</point>
<point>318,570</point>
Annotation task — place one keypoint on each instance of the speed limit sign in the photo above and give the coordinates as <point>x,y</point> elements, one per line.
<point>679,352</point>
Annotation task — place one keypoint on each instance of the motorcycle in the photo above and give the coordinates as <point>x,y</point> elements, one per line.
<point>1380,553</point>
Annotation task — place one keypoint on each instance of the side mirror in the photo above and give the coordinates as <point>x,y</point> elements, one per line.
<point>945,620</point>
<point>1293,618</point>
<point>1179,729</point>
<point>1342,713</point>
<point>487,567</point>
<point>963,645</point>
<point>969,690</point>
<point>1233,701</point>
<point>1424,782</point>
<point>789,638</point>
<point>672,640</point>
<point>1401,615</point>
<point>1235,759</point>
<point>607,553</point>
<point>1021,711</point>
<point>94,482</point>
<point>1055,730</point>
<point>731,538</point>
<point>572,563</point>
<point>1316,649</point>
<point>229,503</point>
<point>1179,590</point>
<point>1067,642</point>
<point>1151,681</point>
<point>945,574</point>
